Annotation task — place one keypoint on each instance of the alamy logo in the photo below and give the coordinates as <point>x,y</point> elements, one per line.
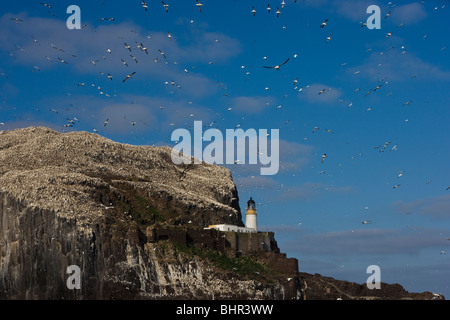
<point>258,147</point>
<point>74,21</point>
<point>374,281</point>
<point>374,21</point>
<point>74,281</point>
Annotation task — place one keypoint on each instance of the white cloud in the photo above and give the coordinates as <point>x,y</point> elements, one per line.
<point>88,44</point>
<point>370,241</point>
<point>121,118</point>
<point>250,105</point>
<point>353,10</point>
<point>311,191</point>
<point>44,42</point>
<point>294,155</point>
<point>393,65</point>
<point>256,181</point>
<point>435,207</point>
<point>320,93</point>
<point>407,14</point>
<point>410,13</point>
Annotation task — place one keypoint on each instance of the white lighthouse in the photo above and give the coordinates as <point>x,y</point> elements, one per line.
<point>250,221</point>
<point>250,215</point>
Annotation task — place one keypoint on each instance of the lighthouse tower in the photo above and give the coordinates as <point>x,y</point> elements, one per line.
<point>250,215</point>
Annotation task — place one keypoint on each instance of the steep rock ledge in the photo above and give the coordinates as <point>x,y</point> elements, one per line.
<point>80,199</point>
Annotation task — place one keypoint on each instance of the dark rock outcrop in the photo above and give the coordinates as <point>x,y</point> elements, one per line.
<point>318,287</point>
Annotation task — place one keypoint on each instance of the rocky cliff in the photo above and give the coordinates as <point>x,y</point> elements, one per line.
<point>133,223</point>
<point>127,217</point>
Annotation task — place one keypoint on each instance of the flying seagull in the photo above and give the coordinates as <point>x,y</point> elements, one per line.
<point>134,58</point>
<point>324,23</point>
<point>128,77</point>
<point>407,103</point>
<point>144,5</point>
<point>162,53</point>
<point>166,6</point>
<point>199,5</point>
<point>278,66</point>
<point>143,48</point>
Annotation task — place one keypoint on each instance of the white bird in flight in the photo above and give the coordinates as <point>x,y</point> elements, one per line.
<point>128,77</point>
<point>166,6</point>
<point>278,66</point>
<point>278,12</point>
<point>199,5</point>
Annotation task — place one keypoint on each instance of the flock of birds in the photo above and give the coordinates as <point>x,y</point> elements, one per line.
<point>161,56</point>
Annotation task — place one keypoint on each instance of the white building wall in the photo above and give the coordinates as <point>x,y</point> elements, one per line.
<point>230,227</point>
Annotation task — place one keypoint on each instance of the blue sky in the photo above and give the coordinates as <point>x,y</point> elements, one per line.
<point>384,111</point>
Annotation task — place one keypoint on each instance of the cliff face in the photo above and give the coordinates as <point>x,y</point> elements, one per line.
<point>133,222</point>
<point>80,199</point>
